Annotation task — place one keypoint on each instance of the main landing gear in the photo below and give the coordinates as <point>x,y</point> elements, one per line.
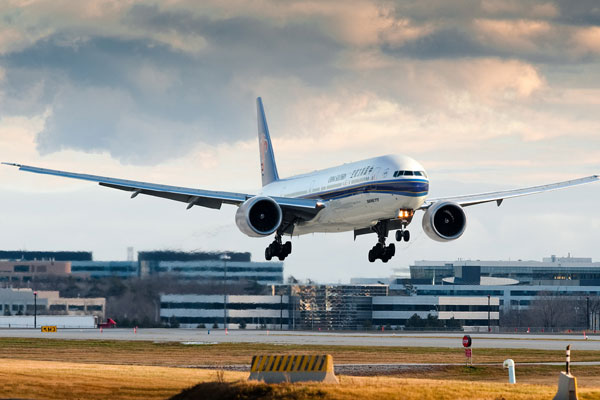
<point>380,250</point>
<point>278,249</point>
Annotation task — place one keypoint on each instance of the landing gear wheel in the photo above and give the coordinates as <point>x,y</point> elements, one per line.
<point>372,256</point>
<point>287,248</point>
<point>385,257</point>
<point>391,250</point>
<point>406,235</point>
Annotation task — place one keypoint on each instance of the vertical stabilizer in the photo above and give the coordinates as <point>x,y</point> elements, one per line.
<point>268,168</point>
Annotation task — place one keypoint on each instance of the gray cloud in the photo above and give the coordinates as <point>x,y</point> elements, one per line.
<point>441,44</point>
<point>151,83</point>
<point>584,12</point>
<point>102,88</point>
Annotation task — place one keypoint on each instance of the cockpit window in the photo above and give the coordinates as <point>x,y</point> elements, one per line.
<point>409,173</point>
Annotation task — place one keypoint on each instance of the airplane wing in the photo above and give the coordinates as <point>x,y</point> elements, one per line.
<point>498,197</point>
<point>301,208</point>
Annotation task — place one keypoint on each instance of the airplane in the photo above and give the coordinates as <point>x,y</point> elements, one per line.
<point>376,195</point>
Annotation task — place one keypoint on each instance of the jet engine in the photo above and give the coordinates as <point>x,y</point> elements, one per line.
<point>444,221</point>
<point>258,216</point>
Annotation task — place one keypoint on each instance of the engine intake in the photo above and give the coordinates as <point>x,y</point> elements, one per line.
<point>444,221</point>
<point>258,216</point>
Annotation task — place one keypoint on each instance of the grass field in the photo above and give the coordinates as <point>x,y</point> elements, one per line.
<point>62,380</point>
<point>376,388</point>
<point>90,369</point>
<point>177,354</point>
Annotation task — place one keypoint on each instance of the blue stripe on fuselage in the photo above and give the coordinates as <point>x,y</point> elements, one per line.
<point>402,187</point>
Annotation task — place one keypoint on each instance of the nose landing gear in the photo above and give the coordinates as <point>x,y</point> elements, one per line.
<point>402,234</point>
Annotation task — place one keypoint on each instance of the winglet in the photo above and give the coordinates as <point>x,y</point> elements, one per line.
<point>268,168</point>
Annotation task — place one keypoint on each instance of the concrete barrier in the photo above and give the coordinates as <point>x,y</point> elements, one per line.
<point>567,387</point>
<point>292,368</point>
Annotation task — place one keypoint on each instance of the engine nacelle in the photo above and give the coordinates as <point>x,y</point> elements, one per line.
<point>258,216</point>
<point>444,221</point>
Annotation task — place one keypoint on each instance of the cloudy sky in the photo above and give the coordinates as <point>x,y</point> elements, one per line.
<point>485,94</point>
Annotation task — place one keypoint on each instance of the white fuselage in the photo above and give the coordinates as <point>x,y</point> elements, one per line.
<point>357,195</point>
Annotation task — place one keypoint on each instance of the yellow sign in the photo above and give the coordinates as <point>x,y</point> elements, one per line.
<point>292,363</point>
<point>48,328</point>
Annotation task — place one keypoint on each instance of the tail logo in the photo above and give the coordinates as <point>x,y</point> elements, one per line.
<point>263,153</point>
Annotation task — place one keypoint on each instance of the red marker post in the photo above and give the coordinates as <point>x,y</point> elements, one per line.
<point>466,342</point>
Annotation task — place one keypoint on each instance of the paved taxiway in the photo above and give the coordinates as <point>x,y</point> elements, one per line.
<point>413,339</point>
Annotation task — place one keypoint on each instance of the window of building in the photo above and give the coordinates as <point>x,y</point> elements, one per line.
<point>94,308</point>
<point>76,307</point>
<point>58,307</point>
<point>21,268</point>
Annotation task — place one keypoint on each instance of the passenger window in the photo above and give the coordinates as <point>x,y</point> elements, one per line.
<point>408,173</point>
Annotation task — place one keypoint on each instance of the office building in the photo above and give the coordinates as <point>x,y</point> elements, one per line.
<point>249,312</point>
<point>103,269</point>
<point>558,271</point>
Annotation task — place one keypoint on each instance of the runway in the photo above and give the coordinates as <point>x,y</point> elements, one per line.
<point>412,339</point>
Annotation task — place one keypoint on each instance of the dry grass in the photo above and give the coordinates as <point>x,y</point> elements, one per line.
<point>587,376</point>
<point>352,388</point>
<point>61,380</point>
<point>92,369</point>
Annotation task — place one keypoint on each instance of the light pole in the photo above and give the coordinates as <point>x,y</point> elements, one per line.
<point>225,257</point>
<point>35,310</point>
<point>489,325</point>
<point>587,314</point>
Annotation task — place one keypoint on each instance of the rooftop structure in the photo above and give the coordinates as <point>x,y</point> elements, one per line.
<point>227,266</point>
<point>21,255</point>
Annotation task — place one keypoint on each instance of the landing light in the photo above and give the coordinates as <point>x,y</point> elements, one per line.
<point>405,213</point>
